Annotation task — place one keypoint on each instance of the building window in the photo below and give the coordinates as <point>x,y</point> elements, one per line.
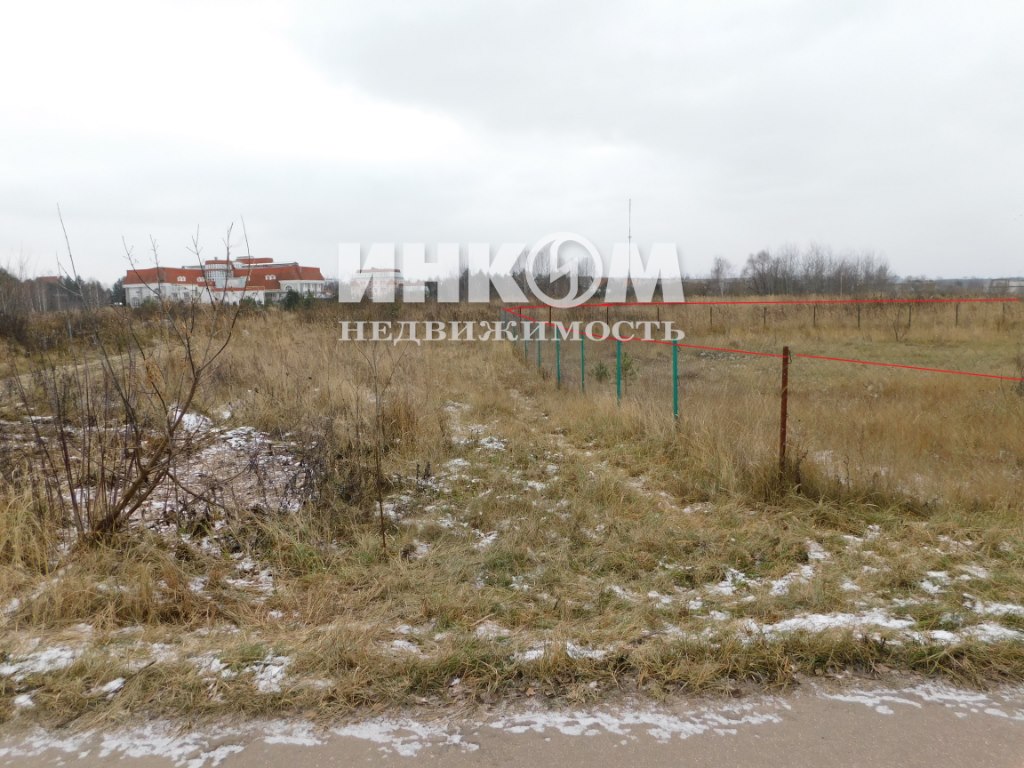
<point>271,277</point>
<point>181,278</point>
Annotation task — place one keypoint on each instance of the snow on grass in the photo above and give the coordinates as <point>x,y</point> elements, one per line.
<point>975,571</point>
<point>781,586</point>
<point>404,646</point>
<point>573,650</point>
<point>727,586</point>
<point>584,652</point>
<point>41,662</point>
<point>489,630</point>
<point>491,443</point>
<point>992,633</point>
<point>815,552</point>
<point>251,577</point>
<point>209,666</point>
<point>193,423</point>
<point>983,608</point>
<point>486,540</point>
<point>109,689</point>
<point>822,622</point>
<point>269,673</point>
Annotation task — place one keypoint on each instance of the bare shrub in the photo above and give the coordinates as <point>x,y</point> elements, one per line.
<point>111,416</point>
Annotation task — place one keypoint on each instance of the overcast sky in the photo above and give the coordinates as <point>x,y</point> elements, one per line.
<point>887,126</point>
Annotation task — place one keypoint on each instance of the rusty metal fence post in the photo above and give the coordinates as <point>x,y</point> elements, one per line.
<point>785,411</point>
<point>583,364</point>
<point>675,381</point>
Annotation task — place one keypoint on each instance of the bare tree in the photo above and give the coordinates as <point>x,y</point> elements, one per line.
<point>721,270</point>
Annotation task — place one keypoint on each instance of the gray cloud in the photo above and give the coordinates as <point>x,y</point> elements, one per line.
<point>734,126</point>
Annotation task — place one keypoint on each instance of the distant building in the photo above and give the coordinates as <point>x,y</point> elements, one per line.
<point>1012,285</point>
<point>221,280</point>
<point>377,283</point>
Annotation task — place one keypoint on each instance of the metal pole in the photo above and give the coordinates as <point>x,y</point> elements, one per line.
<point>538,351</point>
<point>558,363</point>
<point>675,381</point>
<point>583,364</point>
<point>618,370</point>
<point>785,409</point>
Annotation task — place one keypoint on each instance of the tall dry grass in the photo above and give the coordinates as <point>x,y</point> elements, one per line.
<point>578,548</point>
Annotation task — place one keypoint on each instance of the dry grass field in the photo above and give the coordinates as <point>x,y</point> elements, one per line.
<point>351,526</point>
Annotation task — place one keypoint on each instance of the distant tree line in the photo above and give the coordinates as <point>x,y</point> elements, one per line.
<point>52,294</point>
<point>813,270</point>
<point>20,297</point>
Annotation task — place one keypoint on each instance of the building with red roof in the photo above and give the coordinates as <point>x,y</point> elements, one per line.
<point>221,280</point>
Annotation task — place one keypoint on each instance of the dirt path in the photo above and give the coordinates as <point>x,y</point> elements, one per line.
<point>924,725</point>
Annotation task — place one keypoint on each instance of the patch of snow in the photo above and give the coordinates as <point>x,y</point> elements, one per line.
<point>111,688</point>
<point>269,673</point>
<point>781,586</point>
<point>532,653</point>
<point>955,545</point>
<point>209,665</point>
<point>405,646</point>
<point>821,622</point>
<point>489,630</point>
<point>993,633</point>
<point>192,423</point>
<point>815,551</point>
<point>992,609</point>
<point>583,652</point>
<point>486,540</point>
<point>660,598</point>
<point>39,663</point>
<point>404,737</point>
<point>661,725</point>
<point>728,585</point>
<point>878,701</point>
<point>975,571</point>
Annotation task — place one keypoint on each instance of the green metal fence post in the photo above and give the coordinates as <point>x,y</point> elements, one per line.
<point>583,364</point>
<point>558,363</point>
<point>618,370</point>
<point>675,381</point>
